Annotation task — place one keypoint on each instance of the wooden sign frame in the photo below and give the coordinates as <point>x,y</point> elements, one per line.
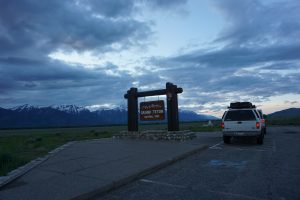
<point>171,92</point>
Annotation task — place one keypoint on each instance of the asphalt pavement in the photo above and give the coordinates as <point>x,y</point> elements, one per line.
<point>203,168</point>
<point>242,170</point>
<point>89,168</point>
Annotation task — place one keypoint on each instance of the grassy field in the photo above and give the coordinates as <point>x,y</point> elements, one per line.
<point>18,149</point>
<point>19,146</point>
<point>284,121</point>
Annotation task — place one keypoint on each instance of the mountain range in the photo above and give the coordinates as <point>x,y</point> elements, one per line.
<point>28,116</point>
<point>288,113</point>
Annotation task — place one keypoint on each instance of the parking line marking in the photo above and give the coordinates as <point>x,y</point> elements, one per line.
<point>268,146</point>
<point>237,164</point>
<point>216,146</point>
<point>162,183</point>
<point>236,195</point>
<point>247,149</point>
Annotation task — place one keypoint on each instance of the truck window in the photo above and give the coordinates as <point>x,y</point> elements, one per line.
<point>240,115</point>
<point>224,114</point>
<point>260,114</point>
<point>257,114</point>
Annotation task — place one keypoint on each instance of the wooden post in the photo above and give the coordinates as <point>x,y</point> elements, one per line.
<point>172,107</point>
<point>132,109</point>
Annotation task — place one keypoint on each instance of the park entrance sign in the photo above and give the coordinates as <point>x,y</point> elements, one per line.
<point>152,110</point>
<point>171,92</point>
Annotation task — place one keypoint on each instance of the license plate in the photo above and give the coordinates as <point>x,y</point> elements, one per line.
<point>239,133</point>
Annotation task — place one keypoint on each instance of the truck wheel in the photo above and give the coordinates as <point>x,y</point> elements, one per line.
<point>260,139</point>
<point>226,139</point>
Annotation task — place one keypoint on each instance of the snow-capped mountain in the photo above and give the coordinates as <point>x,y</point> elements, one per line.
<point>69,108</point>
<point>105,108</point>
<point>72,115</point>
<point>63,108</point>
<point>24,107</point>
<point>116,109</point>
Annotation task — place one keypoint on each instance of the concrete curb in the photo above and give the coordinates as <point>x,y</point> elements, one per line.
<point>16,173</point>
<point>115,185</point>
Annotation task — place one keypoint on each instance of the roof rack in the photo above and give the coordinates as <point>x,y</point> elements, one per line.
<point>240,105</point>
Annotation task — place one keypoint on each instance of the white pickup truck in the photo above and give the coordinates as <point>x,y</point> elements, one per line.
<point>240,120</point>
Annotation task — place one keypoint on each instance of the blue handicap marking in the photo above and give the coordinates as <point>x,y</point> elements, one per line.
<point>237,164</point>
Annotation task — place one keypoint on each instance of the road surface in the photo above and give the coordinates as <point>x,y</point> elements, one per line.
<point>242,170</point>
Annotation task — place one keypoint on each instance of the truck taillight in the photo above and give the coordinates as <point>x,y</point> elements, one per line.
<point>257,125</point>
<point>222,125</point>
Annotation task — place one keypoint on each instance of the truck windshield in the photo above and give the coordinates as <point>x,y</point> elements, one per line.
<point>240,115</point>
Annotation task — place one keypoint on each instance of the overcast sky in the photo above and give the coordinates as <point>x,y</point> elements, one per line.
<point>90,52</point>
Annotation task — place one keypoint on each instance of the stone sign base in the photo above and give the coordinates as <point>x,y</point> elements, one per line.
<point>157,135</point>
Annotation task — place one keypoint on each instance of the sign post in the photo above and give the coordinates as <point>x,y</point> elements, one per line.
<point>172,105</point>
<point>132,110</point>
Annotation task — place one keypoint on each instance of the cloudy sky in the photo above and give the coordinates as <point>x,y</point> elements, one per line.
<point>90,52</point>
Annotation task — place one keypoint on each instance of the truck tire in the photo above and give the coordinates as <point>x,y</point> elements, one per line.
<point>260,139</point>
<point>226,139</point>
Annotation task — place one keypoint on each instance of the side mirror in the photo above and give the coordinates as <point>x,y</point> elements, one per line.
<point>265,116</point>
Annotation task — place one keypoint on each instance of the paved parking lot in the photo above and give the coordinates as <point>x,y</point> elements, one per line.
<point>241,170</point>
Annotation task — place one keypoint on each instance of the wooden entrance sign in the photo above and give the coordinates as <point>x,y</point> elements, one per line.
<point>152,110</point>
<point>171,92</point>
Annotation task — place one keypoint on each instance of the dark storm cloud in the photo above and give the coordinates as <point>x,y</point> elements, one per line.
<point>236,57</point>
<point>242,73</point>
<point>41,70</point>
<point>263,86</point>
<point>258,23</point>
<point>19,61</point>
<point>31,30</point>
<point>43,26</point>
<point>288,65</point>
<point>110,8</point>
<point>291,102</point>
<point>162,4</point>
<point>125,8</point>
<point>54,82</point>
<point>259,57</point>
